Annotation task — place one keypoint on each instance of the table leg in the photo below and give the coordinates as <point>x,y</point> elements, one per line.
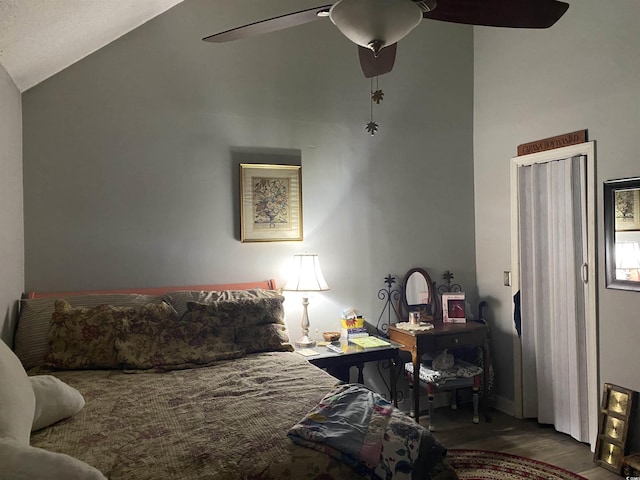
<point>393,364</point>
<point>360,367</point>
<point>415,359</point>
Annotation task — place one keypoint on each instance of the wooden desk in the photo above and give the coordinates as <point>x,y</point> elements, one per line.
<point>442,336</point>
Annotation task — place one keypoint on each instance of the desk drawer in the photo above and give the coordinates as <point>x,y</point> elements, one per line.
<point>465,339</point>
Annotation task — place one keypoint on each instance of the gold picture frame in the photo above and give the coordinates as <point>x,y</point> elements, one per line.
<point>270,203</point>
<point>613,426</point>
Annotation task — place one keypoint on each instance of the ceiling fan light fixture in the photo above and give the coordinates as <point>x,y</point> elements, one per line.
<point>375,22</point>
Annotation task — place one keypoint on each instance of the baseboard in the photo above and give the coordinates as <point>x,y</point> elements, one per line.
<point>505,405</point>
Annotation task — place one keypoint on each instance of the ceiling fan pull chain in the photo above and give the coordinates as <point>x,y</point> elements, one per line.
<point>372,127</point>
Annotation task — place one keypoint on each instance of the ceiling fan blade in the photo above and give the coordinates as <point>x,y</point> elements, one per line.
<point>270,25</point>
<point>373,66</point>
<point>500,13</point>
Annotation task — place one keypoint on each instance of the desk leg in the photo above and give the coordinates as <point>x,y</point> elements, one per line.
<point>486,360</point>
<point>415,359</point>
<point>360,367</point>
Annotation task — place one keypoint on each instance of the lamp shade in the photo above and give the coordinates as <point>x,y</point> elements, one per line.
<point>382,22</point>
<point>306,275</point>
<point>627,255</point>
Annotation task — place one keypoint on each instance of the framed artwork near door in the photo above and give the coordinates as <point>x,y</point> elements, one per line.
<point>613,426</point>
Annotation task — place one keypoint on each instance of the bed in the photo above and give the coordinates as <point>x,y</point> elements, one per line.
<point>175,397</point>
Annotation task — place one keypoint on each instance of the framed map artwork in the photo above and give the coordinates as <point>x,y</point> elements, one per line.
<point>270,203</point>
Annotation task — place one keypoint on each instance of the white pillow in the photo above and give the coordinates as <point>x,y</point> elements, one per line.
<point>17,400</point>
<point>55,400</point>
<point>21,462</point>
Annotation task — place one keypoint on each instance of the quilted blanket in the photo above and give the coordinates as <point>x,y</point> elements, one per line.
<point>364,430</point>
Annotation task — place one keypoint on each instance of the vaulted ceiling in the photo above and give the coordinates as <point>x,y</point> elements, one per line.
<point>38,38</point>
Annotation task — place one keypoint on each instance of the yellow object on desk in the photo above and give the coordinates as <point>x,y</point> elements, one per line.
<point>369,342</point>
<point>353,322</point>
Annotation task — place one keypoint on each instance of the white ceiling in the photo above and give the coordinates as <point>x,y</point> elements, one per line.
<point>38,38</point>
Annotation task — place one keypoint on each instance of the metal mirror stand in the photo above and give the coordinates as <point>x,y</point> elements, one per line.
<point>622,233</point>
<point>417,293</point>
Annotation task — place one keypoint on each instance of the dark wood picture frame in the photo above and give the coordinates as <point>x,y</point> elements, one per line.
<point>613,426</point>
<point>614,227</point>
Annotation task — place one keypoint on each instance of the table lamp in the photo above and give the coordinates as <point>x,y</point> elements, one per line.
<point>306,276</point>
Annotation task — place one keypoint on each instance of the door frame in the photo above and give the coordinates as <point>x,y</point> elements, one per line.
<point>587,149</point>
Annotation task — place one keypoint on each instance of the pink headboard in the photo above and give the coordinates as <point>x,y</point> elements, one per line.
<point>265,284</point>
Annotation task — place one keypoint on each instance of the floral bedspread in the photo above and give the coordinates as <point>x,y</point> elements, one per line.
<point>228,421</point>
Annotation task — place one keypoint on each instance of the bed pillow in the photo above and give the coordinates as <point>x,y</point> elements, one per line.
<point>84,337</point>
<point>269,337</point>
<point>179,299</point>
<point>31,341</point>
<point>258,322</point>
<point>17,401</point>
<point>247,312</point>
<point>22,462</point>
<point>55,401</point>
<point>166,342</point>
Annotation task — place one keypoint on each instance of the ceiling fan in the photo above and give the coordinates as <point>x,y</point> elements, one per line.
<point>377,25</point>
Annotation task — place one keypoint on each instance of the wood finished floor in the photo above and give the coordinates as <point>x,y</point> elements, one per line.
<point>519,437</point>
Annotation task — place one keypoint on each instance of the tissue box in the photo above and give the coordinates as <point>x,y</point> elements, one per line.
<point>354,322</point>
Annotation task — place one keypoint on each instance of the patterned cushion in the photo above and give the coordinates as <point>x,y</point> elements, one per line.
<point>165,342</point>
<point>179,299</point>
<point>85,337</point>
<point>270,337</point>
<point>244,312</point>
<point>258,322</point>
<point>32,333</point>
<point>460,369</point>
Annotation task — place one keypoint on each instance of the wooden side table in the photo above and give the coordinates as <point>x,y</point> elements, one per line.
<point>339,364</point>
<point>442,336</point>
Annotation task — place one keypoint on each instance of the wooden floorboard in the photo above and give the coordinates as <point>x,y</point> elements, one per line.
<point>526,438</point>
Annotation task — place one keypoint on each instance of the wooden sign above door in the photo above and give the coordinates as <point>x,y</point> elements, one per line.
<point>550,143</point>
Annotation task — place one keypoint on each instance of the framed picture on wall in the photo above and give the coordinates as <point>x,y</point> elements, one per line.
<point>270,203</point>
<point>627,209</point>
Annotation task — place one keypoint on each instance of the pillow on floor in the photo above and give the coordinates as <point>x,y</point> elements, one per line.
<point>22,462</point>
<point>55,401</point>
<point>17,401</point>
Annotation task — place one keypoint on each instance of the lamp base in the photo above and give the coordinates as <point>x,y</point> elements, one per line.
<point>305,342</point>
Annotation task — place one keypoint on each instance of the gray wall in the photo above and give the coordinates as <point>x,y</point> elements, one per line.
<point>582,73</point>
<point>130,158</point>
<point>11,223</point>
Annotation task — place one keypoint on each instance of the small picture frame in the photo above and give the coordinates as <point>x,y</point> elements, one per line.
<point>613,426</point>
<point>270,203</point>
<point>627,209</point>
<point>453,308</point>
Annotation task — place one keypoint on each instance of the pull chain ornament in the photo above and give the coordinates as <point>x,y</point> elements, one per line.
<point>377,96</point>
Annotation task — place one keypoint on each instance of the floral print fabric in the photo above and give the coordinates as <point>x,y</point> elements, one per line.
<point>362,429</point>
<point>160,340</point>
<point>84,337</point>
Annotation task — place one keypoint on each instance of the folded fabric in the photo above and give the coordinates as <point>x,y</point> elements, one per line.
<point>364,430</point>
<point>460,369</point>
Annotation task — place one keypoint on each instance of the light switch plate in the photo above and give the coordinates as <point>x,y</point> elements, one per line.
<point>507,279</point>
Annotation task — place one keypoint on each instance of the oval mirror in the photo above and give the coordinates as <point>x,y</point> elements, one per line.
<point>417,295</point>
